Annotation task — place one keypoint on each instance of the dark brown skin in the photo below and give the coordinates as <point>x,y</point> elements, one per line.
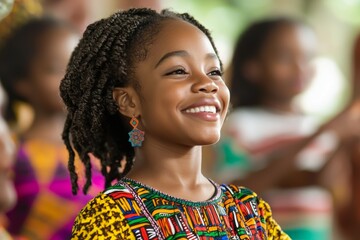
<point>168,87</point>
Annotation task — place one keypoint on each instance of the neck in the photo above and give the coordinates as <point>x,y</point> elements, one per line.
<point>160,165</point>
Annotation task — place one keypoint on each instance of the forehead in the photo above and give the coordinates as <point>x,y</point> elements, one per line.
<point>176,35</point>
<point>293,35</point>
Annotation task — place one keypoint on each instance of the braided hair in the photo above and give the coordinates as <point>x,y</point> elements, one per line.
<point>103,60</point>
<point>244,92</point>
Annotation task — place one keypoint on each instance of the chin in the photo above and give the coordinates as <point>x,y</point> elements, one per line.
<point>210,140</point>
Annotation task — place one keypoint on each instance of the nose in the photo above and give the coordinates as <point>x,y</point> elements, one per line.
<point>203,83</point>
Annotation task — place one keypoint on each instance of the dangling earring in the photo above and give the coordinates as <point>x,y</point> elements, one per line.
<point>136,136</point>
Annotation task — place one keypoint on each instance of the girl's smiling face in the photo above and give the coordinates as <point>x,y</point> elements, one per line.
<point>184,99</point>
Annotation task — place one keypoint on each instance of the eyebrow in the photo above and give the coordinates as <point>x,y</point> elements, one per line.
<point>180,53</point>
<point>183,53</point>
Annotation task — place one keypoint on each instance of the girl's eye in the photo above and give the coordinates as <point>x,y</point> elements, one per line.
<point>215,73</point>
<point>177,72</point>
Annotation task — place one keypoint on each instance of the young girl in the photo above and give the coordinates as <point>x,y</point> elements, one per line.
<point>32,63</point>
<point>146,87</point>
<point>269,143</point>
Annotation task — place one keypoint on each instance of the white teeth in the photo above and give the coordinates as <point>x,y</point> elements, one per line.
<point>210,109</point>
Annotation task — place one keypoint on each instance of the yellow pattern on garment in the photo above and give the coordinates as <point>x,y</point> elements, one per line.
<point>273,229</point>
<point>101,220</point>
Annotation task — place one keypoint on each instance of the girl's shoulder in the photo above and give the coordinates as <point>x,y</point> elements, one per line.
<point>238,191</point>
<point>108,199</point>
<point>242,196</point>
<point>102,213</point>
<point>247,199</point>
<point>251,206</point>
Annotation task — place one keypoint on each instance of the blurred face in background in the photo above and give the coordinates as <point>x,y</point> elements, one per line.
<point>284,64</point>
<point>41,87</point>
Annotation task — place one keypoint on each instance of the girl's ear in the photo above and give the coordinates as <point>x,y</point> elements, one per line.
<point>128,101</point>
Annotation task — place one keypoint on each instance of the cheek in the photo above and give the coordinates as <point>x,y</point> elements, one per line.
<point>224,95</point>
<point>282,71</point>
<point>49,86</point>
<point>156,105</point>
<point>277,75</point>
<point>47,77</point>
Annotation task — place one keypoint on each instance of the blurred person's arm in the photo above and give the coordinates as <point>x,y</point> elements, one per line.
<point>282,170</point>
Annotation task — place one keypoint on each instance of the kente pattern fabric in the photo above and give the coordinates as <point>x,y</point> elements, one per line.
<point>131,210</point>
<point>46,208</point>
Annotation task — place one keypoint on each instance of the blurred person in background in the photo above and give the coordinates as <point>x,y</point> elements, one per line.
<point>77,12</point>
<point>7,151</point>
<point>33,60</point>
<point>349,212</point>
<point>269,144</point>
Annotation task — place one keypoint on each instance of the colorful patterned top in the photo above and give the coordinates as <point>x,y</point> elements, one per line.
<point>46,208</point>
<point>131,210</point>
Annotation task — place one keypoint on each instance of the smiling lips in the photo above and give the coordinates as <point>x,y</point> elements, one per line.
<point>207,109</point>
<point>205,112</point>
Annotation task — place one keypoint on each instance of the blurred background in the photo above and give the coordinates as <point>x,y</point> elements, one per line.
<point>336,24</point>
